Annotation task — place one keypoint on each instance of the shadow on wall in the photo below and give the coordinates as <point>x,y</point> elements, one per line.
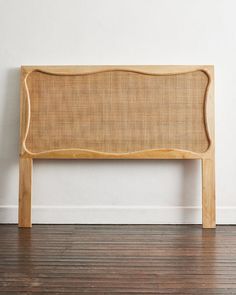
<point>146,185</point>
<point>9,135</point>
<point>190,186</point>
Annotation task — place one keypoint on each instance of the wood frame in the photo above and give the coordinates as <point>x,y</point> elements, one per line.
<point>207,158</point>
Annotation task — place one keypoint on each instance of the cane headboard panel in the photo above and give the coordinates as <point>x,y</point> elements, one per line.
<point>116,111</point>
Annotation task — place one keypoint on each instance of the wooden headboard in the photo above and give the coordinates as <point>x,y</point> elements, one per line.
<point>117,112</point>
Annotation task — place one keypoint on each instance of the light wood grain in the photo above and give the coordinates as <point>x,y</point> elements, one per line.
<point>208,163</point>
<point>207,157</point>
<point>86,154</point>
<point>208,193</point>
<point>151,69</point>
<point>25,183</point>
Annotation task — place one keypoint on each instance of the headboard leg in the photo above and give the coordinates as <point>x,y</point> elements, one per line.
<point>24,213</point>
<point>208,193</point>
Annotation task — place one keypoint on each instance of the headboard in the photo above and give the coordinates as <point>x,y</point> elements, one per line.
<point>117,112</point>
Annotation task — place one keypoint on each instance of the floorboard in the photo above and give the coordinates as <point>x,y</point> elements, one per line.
<point>117,259</point>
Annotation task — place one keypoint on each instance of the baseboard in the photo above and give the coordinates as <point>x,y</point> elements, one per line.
<point>117,215</point>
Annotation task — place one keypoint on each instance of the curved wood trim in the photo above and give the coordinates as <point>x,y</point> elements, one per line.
<point>86,154</point>
<point>205,110</point>
<point>90,154</point>
<point>92,72</point>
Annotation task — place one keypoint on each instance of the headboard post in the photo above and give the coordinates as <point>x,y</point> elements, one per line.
<point>25,185</point>
<point>208,162</point>
<point>117,112</point>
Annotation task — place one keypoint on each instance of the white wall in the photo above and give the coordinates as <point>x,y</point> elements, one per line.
<point>77,32</point>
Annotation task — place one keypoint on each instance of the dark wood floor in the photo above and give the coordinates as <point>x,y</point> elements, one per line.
<point>115,259</point>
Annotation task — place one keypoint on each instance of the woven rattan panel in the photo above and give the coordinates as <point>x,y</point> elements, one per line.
<point>117,111</point>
